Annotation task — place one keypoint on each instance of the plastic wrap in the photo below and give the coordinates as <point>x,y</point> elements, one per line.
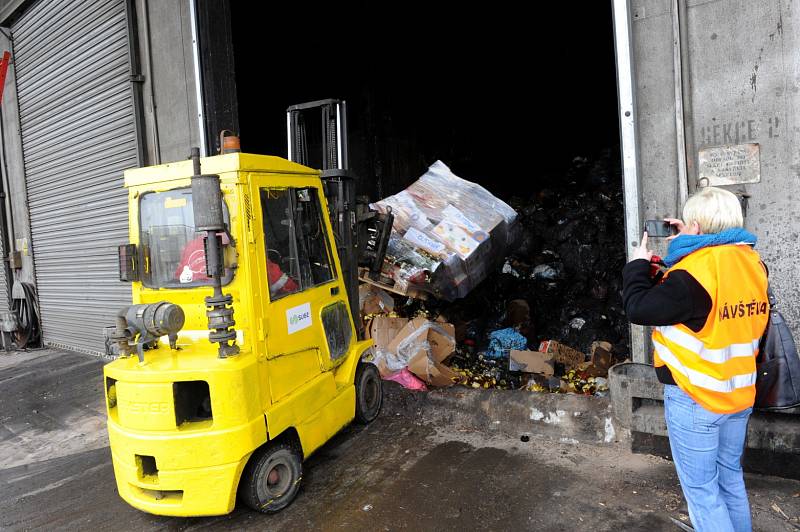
<point>388,361</point>
<point>448,234</point>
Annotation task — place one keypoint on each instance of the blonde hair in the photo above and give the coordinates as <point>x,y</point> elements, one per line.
<point>714,210</point>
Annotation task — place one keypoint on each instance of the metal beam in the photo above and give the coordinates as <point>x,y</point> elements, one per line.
<point>680,127</point>
<point>626,93</point>
<point>198,80</point>
<point>9,9</point>
<point>214,36</point>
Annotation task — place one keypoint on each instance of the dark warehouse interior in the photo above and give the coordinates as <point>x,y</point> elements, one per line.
<point>523,104</point>
<point>504,97</point>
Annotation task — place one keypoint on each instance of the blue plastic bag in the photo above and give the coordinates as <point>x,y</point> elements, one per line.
<point>502,341</point>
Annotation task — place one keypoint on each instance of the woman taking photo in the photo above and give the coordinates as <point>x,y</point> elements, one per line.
<point>709,311</point>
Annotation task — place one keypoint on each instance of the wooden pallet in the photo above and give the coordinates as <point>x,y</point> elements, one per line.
<point>413,293</point>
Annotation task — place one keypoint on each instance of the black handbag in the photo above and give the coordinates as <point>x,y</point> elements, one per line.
<point>778,364</point>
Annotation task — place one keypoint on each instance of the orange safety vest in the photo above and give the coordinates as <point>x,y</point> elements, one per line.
<point>717,365</point>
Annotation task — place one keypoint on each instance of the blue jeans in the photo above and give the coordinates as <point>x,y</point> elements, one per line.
<point>707,450</point>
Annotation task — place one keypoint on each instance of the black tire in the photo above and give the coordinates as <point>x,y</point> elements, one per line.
<point>369,393</point>
<point>271,479</point>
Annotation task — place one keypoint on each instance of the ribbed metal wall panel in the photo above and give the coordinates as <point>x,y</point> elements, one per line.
<point>5,284</point>
<point>78,136</point>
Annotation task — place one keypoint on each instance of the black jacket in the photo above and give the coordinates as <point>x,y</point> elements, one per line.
<point>679,299</point>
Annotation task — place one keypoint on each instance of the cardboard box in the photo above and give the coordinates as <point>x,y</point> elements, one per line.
<point>531,362</point>
<point>373,300</point>
<point>601,356</point>
<point>384,329</point>
<point>600,359</point>
<point>428,350</point>
<point>562,354</point>
<point>433,373</point>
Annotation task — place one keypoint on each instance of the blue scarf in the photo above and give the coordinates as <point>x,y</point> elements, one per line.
<point>685,244</point>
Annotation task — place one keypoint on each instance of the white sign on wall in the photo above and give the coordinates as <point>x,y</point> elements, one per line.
<point>730,165</point>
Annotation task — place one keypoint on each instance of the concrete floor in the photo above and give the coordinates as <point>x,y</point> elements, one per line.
<point>400,472</point>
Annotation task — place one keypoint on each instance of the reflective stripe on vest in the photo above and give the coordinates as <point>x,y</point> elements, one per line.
<point>716,365</point>
<point>280,283</point>
<point>716,356</point>
<point>698,378</point>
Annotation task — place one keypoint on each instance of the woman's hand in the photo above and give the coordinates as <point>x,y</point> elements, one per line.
<point>683,229</point>
<point>642,252</point>
<point>678,224</point>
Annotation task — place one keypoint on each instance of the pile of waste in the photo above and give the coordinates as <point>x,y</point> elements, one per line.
<point>547,318</point>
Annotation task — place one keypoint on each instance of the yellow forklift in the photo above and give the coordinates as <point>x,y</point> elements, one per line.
<point>242,352</point>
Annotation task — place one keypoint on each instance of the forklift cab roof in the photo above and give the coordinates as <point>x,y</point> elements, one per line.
<point>218,164</point>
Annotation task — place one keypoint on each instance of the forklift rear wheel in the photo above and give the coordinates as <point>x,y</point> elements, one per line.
<point>369,392</point>
<point>272,478</point>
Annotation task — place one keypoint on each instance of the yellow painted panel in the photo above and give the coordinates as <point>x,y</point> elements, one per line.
<point>186,450</point>
<point>289,372</point>
<point>232,162</point>
<point>319,428</point>
<point>188,492</point>
<point>302,403</point>
<point>145,406</point>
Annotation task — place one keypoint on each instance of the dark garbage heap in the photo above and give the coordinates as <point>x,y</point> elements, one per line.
<point>561,281</point>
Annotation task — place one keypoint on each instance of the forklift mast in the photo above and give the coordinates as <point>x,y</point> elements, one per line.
<point>317,137</point>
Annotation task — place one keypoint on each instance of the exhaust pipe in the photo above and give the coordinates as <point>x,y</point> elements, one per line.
<point>208,219</point>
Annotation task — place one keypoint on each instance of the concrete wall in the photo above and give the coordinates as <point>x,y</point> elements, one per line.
<point>742,61</point>
<point>13,171</point>
<point>169,91</point>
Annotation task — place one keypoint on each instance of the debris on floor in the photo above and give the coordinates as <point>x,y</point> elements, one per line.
<point>373,300</point>
<point>502,341</point>
<point>547,316</point>
<point>417,347</point>
<point>532,362</point>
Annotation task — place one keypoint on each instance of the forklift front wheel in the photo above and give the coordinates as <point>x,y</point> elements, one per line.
<point>272,478</point>
<point>369,392</point>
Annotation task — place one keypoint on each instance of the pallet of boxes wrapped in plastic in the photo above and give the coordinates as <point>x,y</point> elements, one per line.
<point>448,235</point>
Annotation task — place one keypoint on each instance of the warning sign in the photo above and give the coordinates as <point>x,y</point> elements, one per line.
<point>730,165</point>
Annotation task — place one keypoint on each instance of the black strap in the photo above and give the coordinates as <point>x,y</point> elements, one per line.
<point>773,301</point>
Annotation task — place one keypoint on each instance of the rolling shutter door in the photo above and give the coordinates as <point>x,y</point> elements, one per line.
<point>78,136</point>
<point>5,284</point>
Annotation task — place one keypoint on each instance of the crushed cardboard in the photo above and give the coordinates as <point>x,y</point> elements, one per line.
<point>562,354</point>
<point>600,360</point>
<point>424,344</point>
<point>382,330</point>
<point>432,372</point>
<point>531,362</point>
<point>601,356</point>
<point>430,348</point>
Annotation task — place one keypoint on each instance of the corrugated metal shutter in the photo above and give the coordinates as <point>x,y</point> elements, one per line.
<point>5,284</point>
<point>78,135</point>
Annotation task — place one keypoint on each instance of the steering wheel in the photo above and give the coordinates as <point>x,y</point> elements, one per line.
<point>272,253</point>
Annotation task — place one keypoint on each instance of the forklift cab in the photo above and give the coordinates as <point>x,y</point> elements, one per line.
<point>191,423</point>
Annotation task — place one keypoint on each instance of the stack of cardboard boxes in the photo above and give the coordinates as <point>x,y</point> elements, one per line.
<point>448,234</point>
